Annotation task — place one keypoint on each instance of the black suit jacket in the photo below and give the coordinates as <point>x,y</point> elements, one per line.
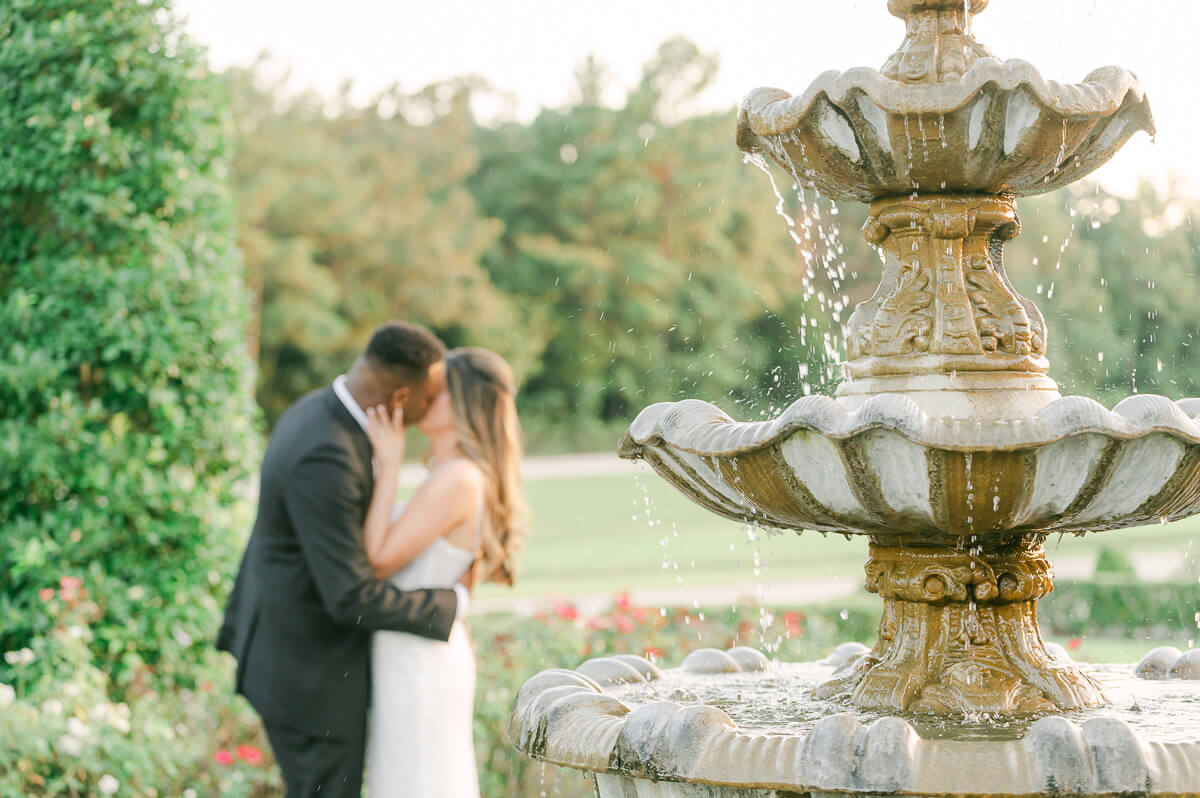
<point>300,617</point>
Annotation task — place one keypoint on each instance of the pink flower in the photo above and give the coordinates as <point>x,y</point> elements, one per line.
<point>792,621</point>
<point>249,754</point>
<point>599,623</point>
<point>622,601</point>
<point>70,583</point>
<point>566,611</point>
<point>624,625</point>
<point>223,757</point>
<point>46,593</point>
<point>1074,643</point>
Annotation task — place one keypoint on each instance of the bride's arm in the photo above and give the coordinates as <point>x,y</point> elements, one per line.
<point>442,501</point>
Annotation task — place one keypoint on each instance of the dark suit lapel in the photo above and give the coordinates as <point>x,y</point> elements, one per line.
<point>362,444</point>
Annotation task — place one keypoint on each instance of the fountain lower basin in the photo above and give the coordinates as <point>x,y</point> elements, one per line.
<point>731,724</point>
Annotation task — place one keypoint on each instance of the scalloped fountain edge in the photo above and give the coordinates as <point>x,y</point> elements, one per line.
<point>564,717</point>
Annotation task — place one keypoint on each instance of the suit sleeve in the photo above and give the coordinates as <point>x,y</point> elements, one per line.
<point>323,499</point>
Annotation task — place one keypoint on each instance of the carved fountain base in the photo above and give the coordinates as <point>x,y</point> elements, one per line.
<point>959,634</point>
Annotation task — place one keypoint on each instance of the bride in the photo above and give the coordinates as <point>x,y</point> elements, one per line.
<point>464,515</point>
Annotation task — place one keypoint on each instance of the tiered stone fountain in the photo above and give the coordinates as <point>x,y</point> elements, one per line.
<point>948,445</point>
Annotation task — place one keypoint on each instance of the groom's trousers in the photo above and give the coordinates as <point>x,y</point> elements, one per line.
<point>319,767</point>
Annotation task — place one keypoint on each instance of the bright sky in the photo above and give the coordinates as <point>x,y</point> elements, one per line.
<point>530,48</point>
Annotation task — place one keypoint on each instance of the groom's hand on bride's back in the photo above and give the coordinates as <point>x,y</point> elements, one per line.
<point>467,580</point>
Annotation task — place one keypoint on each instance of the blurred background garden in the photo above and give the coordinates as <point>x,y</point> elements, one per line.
<point>187,247</point>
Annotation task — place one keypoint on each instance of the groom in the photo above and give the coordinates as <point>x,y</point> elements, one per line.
<point>300,618</point>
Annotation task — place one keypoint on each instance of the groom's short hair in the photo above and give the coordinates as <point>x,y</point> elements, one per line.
<point>404,350</point>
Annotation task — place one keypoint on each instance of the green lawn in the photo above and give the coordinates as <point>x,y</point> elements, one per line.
<point>611,533</point>
<point>1113,649</point>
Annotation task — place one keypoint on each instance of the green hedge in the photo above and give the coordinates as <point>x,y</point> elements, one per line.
<point>1116,605</point>
<point>65,733</point>
<point>126,419</point>
<point>165,742</point>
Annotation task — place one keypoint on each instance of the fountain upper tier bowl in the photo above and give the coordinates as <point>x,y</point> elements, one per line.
<point>889,470</point>
<point>1000,128</point>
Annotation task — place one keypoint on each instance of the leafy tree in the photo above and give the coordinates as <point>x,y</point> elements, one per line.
<point>643,250</point>
<point>126,418</point>
<point>363,216</point>
<point>624,255</point>
<point>1119,281</point>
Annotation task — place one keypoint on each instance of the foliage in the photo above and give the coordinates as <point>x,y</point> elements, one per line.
<point>65,734</point>
<point>1115,561</point>
<point>1118,605</point>
<point>1116,278</point>
<point>363,216</point>
<point>643,252</point>
<point>622,255</point>
<point>125,425</point>
<point>615,256</point>
<point>510,650</point>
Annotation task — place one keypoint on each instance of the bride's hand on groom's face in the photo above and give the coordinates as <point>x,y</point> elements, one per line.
<point>386,432</point>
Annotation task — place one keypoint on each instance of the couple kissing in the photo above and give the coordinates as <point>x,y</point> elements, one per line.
<point>347,618</point>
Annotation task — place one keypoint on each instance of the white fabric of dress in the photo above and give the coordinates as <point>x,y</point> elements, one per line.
<point>423,694</point>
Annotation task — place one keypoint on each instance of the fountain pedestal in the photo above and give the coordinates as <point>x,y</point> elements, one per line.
<point>946,327</point>
<point>959,634</point>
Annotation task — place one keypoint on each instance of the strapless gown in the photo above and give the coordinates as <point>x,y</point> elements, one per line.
<point>423,697</point>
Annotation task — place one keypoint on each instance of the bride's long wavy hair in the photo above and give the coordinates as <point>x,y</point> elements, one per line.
<point>483,396</point>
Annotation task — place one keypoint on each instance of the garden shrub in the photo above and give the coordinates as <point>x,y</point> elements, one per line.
<point>1117,605</point>
<point>67,736</point>
<point>1115,561</point>
<point>73,732</point>
<point>126,418</point>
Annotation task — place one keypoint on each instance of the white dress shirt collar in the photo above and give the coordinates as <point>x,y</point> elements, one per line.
<point>343,393</point>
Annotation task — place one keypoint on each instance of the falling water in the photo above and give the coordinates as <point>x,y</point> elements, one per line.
<point>819,245</point>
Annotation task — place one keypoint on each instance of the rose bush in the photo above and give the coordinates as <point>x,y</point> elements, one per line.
<point>62,733</point>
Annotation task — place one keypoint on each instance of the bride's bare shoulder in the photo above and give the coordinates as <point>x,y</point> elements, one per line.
<point>460,472</point>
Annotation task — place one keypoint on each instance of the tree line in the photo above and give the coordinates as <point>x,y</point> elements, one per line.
<point>620,256</point>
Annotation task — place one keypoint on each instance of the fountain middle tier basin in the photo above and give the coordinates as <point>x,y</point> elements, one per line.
<point>733,725</point>
<point>889,470</point>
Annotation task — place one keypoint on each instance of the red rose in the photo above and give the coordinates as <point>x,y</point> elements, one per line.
<point>622,601</point>
<point>566,610</point>
<point>249,754</point>
<point>46,593</point>
<point>223,757</point>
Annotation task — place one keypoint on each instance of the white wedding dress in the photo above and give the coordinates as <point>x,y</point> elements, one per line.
<point>423,694</point>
